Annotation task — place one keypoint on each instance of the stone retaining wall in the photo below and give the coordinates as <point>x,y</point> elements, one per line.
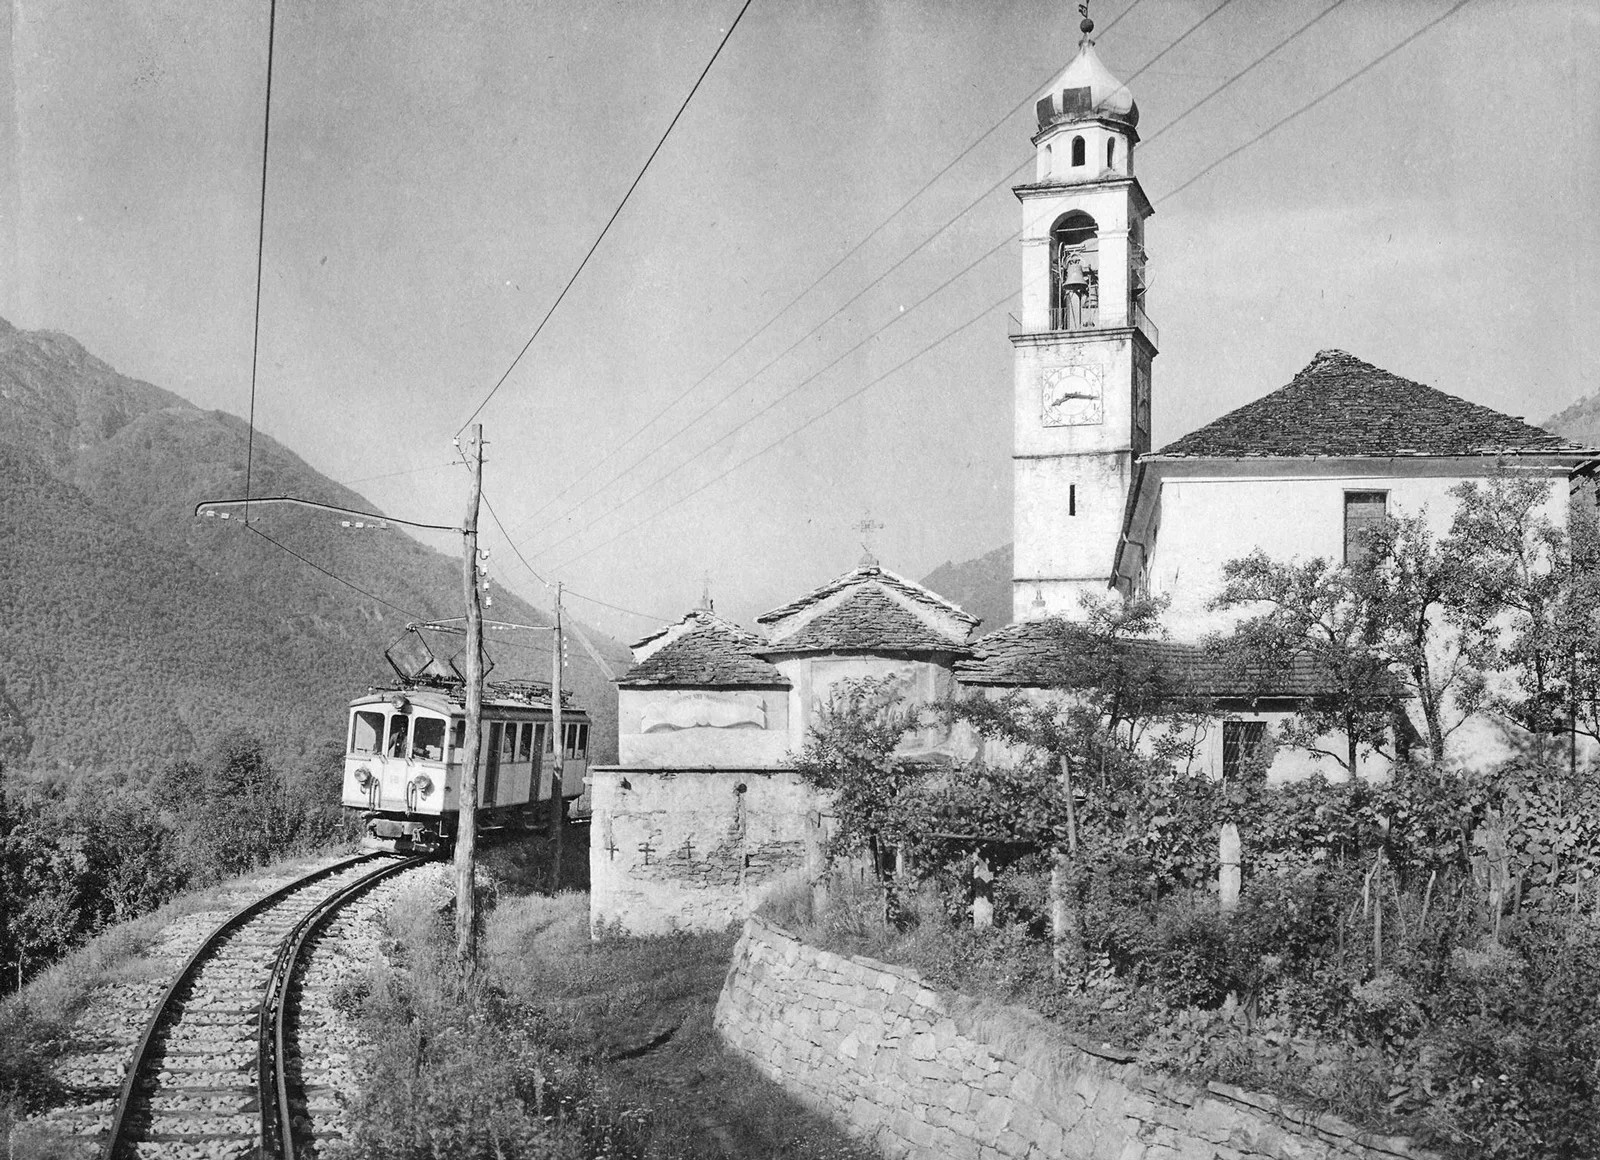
<point>923,1075</point>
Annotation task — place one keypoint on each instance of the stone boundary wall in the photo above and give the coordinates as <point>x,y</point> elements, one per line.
<point>926,1076</point>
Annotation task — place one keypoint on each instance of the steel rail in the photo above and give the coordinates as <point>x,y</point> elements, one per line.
<point>277,1116</point>
<point>119,1120</point>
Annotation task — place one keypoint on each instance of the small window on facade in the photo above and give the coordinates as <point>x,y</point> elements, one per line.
<point>427,739</point>
<point>1077,151</point>
<point>366,731</point>
<point>398,725</point>
<point>1048,167</point>
<point>1111,152</point>
<point>1363,511</point>
<point>1243,748</point>
<point>1072,499</point>
<point>525,742</point>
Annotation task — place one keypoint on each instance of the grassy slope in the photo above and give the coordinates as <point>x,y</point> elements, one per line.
<point>569,1048</point>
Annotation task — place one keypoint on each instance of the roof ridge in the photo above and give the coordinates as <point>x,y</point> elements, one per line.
<point>1338,405</point>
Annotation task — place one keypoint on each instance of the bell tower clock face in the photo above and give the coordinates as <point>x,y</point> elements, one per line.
<point>1072,395</point>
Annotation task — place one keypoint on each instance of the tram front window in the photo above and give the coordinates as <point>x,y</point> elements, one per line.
<point>366,731</point>
<point>397,735</point>
<point>427,739</point>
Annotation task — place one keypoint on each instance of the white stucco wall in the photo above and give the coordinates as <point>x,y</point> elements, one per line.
<point>649,733</point>
<point>696,849</point>
<point>1211,512</point>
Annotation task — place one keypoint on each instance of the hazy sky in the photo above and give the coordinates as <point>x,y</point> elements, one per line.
<point>438,169</point>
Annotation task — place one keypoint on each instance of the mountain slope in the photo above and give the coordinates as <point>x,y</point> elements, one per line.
<point>131,632</point>
<point>981,586</point>
<point>1579,422</point>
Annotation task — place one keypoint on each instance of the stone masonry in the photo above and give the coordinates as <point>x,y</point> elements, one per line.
<point>926,1076</point>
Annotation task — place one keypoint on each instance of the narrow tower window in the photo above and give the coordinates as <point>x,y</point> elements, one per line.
<point>1077,151</point>
<point>1049,168</point>
<point>1072,499</point>
<point>1111,153</point>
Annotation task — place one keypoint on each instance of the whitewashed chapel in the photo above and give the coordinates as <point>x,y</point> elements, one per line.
<point>703,814</point>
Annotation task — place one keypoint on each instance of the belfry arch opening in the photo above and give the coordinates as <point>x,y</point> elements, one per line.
<point>1077,151</point>
<point>1074,272</point>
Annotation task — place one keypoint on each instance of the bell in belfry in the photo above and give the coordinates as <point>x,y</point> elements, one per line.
<point>1074,280</point>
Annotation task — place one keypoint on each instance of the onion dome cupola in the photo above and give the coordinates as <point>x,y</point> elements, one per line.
<point>1088,119</point>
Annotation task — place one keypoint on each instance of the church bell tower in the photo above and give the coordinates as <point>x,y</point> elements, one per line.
<point>1084,346</point>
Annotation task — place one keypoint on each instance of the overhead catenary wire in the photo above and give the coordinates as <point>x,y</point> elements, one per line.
<point>591,468</point>
<point>904,313</point>
<point>495,516</point>
<point>1249,68</point>
<point>261,244</point>
<point>600,237</point>
<point>859,391</point>
<point>1189,182</point>
<point>922,245</point>
<point>1317,100</point>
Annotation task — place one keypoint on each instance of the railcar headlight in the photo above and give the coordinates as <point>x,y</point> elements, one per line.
<point>422,784</point>
<point>363,776</point>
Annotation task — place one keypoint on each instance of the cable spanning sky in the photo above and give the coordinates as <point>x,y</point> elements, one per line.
<point>439,170</point>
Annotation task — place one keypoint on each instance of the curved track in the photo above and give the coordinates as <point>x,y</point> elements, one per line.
<point>212,1074</point>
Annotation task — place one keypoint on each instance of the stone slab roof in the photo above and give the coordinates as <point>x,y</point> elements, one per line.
<point>869,620</point>
<point>709,653</point>
<point>1049,654</point>
<point>874,573</point>
<point>1340,406</point>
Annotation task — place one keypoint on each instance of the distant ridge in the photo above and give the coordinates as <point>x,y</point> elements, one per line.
<point>132,633</point>
<point>1579,422</point>
<point>982,586</point>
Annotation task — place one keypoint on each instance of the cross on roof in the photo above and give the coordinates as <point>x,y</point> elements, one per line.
<point>866,527</point>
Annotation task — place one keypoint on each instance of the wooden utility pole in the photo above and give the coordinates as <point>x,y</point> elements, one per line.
<point>467,825</point>
<point>558,766</point>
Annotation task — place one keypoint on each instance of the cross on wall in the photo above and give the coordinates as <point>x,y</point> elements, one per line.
<point>646,849</point>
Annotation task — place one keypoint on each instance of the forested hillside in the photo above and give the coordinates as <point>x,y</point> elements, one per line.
<point>1580,422</point>
<point>132,633</point>
<point>981,586</point>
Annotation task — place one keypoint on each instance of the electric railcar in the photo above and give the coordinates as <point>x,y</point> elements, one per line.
<point>405,751</point>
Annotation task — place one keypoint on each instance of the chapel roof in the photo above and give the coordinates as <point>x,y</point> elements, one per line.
<point>1050,653</point>
<point>706,652</point>
<point>1340,406</point>
<point>869,620</point>
<point>874,574</point>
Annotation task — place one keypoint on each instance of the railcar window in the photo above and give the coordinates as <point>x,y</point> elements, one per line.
<point>366,731</point>
<point>575,739</point>
<point>549,741</point>
<point>427,739</point>
<point>525,743</point>
<point>508,746</point>
<point>397,735</point>
<point>458,737</point>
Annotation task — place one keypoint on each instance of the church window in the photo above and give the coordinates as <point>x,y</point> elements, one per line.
<point>1111,152</point>
<point>1072,499</point>
<point>1048,167</point>
<point>1363,511</point>
<point>1077,151</point>
<point>1244,749</point>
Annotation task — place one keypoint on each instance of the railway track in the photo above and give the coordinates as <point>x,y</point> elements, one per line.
<point>216,1072</point>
